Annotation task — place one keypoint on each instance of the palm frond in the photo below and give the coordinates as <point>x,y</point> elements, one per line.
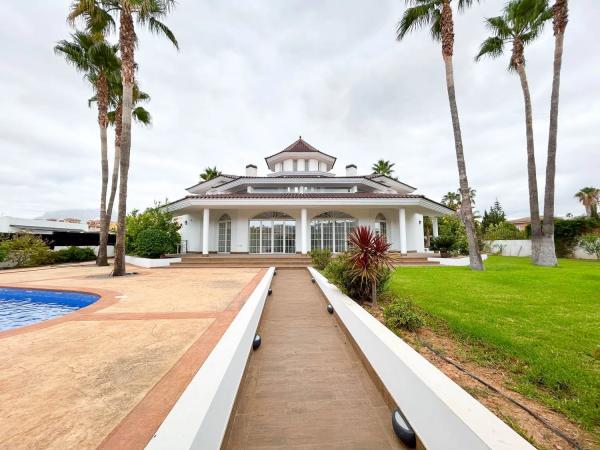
<point>157,27</point>
<point>492,47</point>
<point>142,116</point>
<point>419,16</point>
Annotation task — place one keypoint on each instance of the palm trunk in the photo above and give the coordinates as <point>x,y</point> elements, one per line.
<point>475,260</point>
<point>374,292</point>
<point>547,255</point>
<point>102,92</point>
<point>127,42</point>
<point>447,31</point>
<point>117,160</point>
<point>534,208</point>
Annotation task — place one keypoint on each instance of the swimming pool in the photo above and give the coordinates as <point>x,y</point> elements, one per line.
<point>20,307</point>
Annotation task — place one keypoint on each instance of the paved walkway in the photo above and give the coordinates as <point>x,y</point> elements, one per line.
<point>306,386</point>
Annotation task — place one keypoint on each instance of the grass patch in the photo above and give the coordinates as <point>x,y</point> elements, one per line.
<point>543,323</point>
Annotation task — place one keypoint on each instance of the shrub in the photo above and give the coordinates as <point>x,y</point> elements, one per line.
<point>568,231</point>
<point>152,218</point>
<point>443,244</point>
<point>73,254</point>
<point>401,314</point>
<point>591,244</point>
<point>339,272</point>
<point>25,250</point>
<point>152,243</point>
<point>503,231</point>
<point>320,258</point>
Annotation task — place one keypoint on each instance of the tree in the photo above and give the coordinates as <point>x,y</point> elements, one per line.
<point>437,14</point>
<point>451,200</point>
<point>146,13</point>
<point>589,198</point>
<point>560,15</point>
<point>89,53</point>
<point>368,256</point>
<point>521,23</point>
<point>383,167</point>
<point>496,216</point>
<point>210,173</point>
<point>591,244</point>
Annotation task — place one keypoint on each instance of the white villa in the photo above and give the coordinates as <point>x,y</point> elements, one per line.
<point>300,205</point>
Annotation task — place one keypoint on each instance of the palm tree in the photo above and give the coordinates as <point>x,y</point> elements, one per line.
<point>437,14</point>
<point>560,14</point>
<point>91,54</point>
<point>383,167</point>
<point>139,115</point>
<point>147,13</point>
<point>521,22</point>
<point>210,173</point>
<point>589,198</point>
<point>451,200</point>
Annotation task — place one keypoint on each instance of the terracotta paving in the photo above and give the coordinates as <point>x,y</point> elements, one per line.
<point>305,387</point>
<point>108,374</point>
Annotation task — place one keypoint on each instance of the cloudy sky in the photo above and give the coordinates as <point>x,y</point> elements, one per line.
<point>253,75</point>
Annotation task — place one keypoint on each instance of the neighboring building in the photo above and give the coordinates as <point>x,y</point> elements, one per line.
<point>11,225</point>
<point>300,205</point>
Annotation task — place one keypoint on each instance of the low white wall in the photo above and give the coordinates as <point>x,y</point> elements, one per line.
<point>443,415</point>
<point>149,263</point>
<point>461,261</point>
<point>199,418</point>
<point>110,249</point>
<point>522,247</point>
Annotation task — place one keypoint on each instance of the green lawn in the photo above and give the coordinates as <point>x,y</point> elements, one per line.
<point>542,324</point>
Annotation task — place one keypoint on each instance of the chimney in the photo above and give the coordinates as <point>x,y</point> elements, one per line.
<point>251,170</point>
<point>351,170</point>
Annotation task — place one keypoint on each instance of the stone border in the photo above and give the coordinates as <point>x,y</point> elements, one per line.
<point>442,414</point>
<point>200,417</point>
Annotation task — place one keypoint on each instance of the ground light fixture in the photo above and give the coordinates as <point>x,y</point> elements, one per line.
<point>330,308</point>
<point>312,279</point>
<point>270,291</point>
<point>403,429</point>
<point>256,342</point>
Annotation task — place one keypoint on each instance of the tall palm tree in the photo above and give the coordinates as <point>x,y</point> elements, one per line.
<point>139,115</point>
<point>147,13</point>
<point>97,59</point>
<point>210,173</point>
<point>383,167</point>
<point>437,14</point>
<point>521,23</point>
<point>589,198</point>
<point>560,15</point>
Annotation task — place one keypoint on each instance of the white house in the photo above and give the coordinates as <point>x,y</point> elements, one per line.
<point>300,205</point>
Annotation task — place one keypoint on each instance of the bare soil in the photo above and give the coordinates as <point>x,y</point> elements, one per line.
<point>501,379</point>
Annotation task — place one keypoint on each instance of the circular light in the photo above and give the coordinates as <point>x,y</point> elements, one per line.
<point>403,429</point>
<point>270,291</point>
<point>312,279</point>
<point>256,342</point>
<point>330,308</point>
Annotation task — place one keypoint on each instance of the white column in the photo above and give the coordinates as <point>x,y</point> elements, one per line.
<point>205,226</point>
<point>402,217</point>
<point>434,226</point>
<point>304,231</point>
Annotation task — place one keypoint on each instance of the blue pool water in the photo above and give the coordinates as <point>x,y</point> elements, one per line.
<point>19,307</point>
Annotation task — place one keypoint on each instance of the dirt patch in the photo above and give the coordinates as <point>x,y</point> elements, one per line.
<point>520,420</point>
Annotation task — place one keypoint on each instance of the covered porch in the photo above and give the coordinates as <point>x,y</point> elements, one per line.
<point>282,229</point>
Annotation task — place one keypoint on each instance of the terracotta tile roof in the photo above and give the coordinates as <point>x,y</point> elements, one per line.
<point>301,146</point>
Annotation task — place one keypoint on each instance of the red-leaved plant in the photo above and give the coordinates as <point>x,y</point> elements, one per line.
<point>368,255</point>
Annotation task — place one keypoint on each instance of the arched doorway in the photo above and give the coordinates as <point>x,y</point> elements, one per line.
<point>272,232</point>
<point>330,230</point>
<point>224,242</point>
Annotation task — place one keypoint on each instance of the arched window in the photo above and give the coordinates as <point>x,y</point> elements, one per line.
<point>272,232</point>
<point>224,243</point>
<point>381,225</point>
<point>330,230</point>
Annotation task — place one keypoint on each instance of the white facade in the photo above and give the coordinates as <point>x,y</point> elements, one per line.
<point>298,206</point>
